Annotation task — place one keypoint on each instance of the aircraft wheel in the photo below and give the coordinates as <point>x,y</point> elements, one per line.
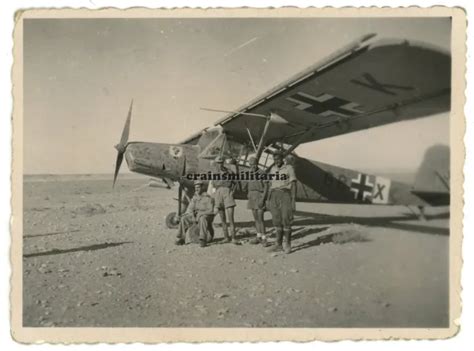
<point>172,220</point>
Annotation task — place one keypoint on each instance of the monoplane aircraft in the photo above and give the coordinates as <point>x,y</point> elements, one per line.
<point>363,85</point>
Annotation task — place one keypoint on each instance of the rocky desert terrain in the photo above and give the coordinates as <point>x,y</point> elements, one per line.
<point>101,257</point>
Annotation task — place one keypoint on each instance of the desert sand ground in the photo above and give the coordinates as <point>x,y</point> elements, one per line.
<point>93,256</point>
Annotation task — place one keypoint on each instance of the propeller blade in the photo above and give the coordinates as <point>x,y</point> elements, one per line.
<point>123,143</point>
<point>126,128</point>
<point>118,163</point>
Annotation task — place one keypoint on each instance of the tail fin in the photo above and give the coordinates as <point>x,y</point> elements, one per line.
<point>432,179</point>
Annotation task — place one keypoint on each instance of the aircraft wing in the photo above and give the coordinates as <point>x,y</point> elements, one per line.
<point>359,87</point>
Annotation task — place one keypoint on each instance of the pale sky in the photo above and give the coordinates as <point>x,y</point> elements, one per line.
<point>80,75</point>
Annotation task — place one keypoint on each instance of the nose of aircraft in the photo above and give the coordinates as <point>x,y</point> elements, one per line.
<point>170,161</point>
<point>157,159</point>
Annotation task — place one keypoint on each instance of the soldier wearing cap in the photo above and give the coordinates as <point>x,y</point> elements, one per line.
<point>257,190</point>
<point>201,212</point>
<point>224,183</point>
<point>282,202</point>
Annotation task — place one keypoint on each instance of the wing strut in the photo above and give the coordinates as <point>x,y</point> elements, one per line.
<point>251,139</point>
<point>296,143</point>
<point>275,119</point>
<point>261,143</point>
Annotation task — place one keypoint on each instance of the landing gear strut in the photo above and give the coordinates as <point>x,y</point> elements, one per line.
<point>172,218</point>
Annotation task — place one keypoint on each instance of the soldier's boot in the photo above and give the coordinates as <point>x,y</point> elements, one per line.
<point>179,241</point>
<point>264,241</point>
<point>277,245</point>
<point>287,242</point>
<point>202,243</point>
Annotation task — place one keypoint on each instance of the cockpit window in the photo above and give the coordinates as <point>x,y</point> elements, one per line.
<point>215,143</point>
<point>235,150</point>
<point>215,147</point>
<point>207,137</point>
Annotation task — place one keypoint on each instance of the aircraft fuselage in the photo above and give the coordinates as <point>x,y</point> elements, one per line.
<point>317,181</point>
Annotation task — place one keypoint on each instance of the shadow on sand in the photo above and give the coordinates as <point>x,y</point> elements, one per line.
<point>76,249</point>
<point>394,222</point>
<point>303,218</point>
<point>336,238</point>
<point>51,233</point>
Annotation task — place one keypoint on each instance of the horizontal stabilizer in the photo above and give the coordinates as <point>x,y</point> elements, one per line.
<point>433,198</point>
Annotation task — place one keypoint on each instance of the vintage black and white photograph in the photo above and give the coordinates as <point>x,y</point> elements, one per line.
<point>237,171</point>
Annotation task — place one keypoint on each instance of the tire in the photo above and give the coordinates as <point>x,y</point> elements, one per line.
<point>172,220</point>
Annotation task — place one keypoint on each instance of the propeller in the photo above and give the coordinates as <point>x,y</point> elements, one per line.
<point>122,145</point>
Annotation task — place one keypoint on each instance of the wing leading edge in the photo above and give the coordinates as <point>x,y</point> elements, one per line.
<point>359,87</point>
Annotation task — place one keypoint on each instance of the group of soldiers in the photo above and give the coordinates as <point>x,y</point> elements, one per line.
<point>277,195</point>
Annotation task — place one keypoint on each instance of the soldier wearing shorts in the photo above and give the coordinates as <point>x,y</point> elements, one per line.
<point>281,202</point>
<point>224,198</point>
<point>201,212</point>
<point>256,194</point>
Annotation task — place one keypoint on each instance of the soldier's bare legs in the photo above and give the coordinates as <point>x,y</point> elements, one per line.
<point>230,215</point>
<point>223,218</point>
<point>261,223</point>
<point>256,240</point>
<point>259,226</point>
<point>287,240</point>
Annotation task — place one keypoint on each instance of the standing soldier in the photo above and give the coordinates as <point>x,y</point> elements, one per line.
<point>199,211</point>
<point>257,190</point>
<point>224,197</point>
<point>282,202</point>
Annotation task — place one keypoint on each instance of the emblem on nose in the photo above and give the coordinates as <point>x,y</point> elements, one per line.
<point>176,151</point>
